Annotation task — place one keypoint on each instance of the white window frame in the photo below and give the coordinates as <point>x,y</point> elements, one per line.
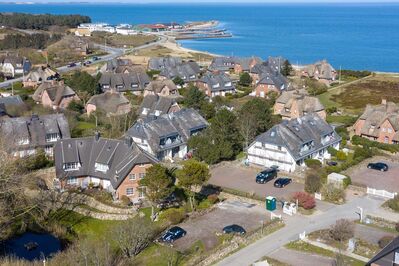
<point>132,177</point>
<point>129,191</point>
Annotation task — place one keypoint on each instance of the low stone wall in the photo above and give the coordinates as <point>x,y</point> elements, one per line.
<point>102,216</point>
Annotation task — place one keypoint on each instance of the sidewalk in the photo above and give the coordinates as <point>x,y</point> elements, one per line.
<point>344,252</point>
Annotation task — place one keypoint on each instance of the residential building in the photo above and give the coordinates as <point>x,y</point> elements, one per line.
<point>155,105</point>
<point>388,256</point>
<point>320,70</point>
<point>134,82</point>
<point>11,65</point>
<point>223,64</point>
<point>216,84</point>
<point>160,63</point>
<point>288,144</point>
<point>166,136</point>
<point>114,165</point>
<point>266,77</point>
<point>110,102</point>
<point>164,87</point>
<point>187,71</point>
<point>25,135</point>
<point>126,29</point>
<point>97,27</point>
<point>10,105</point>
<point>379,123</point>
<point>42,74</point>
<point>119,65</point>
<point>55,95</point>
<point>294,104</point>
<point>246,64</point>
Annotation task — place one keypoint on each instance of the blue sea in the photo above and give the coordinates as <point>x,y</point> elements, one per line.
<point>351,36</point>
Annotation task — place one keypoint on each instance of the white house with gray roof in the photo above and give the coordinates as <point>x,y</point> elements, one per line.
<point>216,84</point>
<point>288,144</point>
<point>166,136</point>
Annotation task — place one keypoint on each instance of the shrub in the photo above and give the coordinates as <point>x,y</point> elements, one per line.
<point>332,193</point>
<point>384,241</point>
<point>347,181</point>
<point>312,182</point>
<point>305,200</point>
<point>341,156</point>
<point>173,215</point>
<point>342,230</point>
<point>213,198</point>
<point>383,146</point>
<point>205,204</point>
<point>125,200</point>
<point>331,110</point>
<point>393,203</point>
<point>332,151</point>
<point>313,163</point>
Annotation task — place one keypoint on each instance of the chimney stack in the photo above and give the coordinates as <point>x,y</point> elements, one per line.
<point>128,141</point>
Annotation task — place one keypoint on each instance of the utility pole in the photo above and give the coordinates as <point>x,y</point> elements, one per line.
<point>340,73</point>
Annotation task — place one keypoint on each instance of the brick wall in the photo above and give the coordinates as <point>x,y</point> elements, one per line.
<point>128,183</point>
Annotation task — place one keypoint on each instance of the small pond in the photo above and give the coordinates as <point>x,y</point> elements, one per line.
<point>31,246</point>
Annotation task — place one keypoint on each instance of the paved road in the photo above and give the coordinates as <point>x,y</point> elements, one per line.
<point>296,225</point>
<point>112,53</point>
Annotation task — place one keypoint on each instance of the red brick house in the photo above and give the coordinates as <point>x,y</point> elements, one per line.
<point>379,123</point>
<point>55,95</point>
<point>113,165</point>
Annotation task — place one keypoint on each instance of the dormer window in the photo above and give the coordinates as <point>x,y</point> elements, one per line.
<point>101,167</point>
<point>71,166</point>
<point>119,86</point>
<point>192,77</point>
<point>157,113</point>
<point>52,137</point>
<point>228,84</point>
<point>135,85</point>
<point>24,141</point>
<point>217,85</point>
<point>145,111</point>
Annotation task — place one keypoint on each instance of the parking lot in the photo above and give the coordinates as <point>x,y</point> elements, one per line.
<point>363,176</point>
<point>242,178</point>
<point>205,227</point>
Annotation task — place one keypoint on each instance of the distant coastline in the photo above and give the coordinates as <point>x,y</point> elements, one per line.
<point>362,38</point>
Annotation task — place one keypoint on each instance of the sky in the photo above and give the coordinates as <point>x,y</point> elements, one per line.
<point>207,1</point>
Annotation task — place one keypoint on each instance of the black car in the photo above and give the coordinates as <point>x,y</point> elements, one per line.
<point>266,175</point>
<point>170,201</point>
<point>95,58</point>
<point>234,229</point>
<point>282,182</point>
<point>173,234</point>
<point>332,163</point>
<point>72,65</point>
<point>383,167</point>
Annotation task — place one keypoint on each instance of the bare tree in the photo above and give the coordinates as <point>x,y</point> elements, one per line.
<point>133,235</point>
<point>342,230</point>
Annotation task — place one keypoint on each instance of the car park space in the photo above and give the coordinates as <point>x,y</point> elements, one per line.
<point>240,177</point>
<point>293,257</point>
<point>384,180</point>
<point>206,227</point>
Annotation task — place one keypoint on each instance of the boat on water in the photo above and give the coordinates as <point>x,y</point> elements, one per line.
<point>31,245</point>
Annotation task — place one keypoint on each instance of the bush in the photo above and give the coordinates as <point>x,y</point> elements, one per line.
<point>173,215</point>
<point>312,182</point>
<point>305,200</point>
<point>383,146</point>
<point>393,203</point>
<point>213,198</point>
<point>245,79</point>
<point>333,194</point>
<point>342,230</point>
<point>332,151</point>
<point>313,163</point>
<point>341,156</point>
<point>384,241</point>
<point>125,200</point>
<point>331,110</point>
<point>205,204</point>
<point>347,181</point>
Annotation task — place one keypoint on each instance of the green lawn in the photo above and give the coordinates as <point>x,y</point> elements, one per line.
<point>346,120</point>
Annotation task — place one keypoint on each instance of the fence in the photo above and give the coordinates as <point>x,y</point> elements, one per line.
<point>381,193</point>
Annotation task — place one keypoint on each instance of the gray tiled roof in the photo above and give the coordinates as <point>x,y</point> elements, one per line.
<point>132,81</point>
<point>304,103</point>
<point>11,100</point>
<point>157,85</point>
<point>181,123</point>
<point>386,256</point>
<point>324,69</point>
<point>115,63</point>
<point>188,71</point>
<point>153,103</point>
<point>218,81</point>
<point>119,155</point>
<point>295,133</point>
<point>223,63</point>
<point>160,63</point>
<point>34,128</point>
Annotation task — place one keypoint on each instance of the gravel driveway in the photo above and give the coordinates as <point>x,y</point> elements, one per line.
<point>297,258</point>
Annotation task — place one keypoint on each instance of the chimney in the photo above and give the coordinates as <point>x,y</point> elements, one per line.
<point>384,101</point>
<point>128,141</point>
<point>97,135</point>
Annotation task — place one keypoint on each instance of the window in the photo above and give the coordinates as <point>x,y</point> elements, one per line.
<point>142,191</point>
<point>279,148</point>
<point>72,181</point>
<point>389,130</point>
<point>23,141</point>
<point>101,167</point>
<point>141,175</point>
<point>51,137</point>
<point>129,191</point>
<point>386,139</point>
<point>71,166</point>
<point>396,258</point>
<point>383,129</point>
<point>132,176</point>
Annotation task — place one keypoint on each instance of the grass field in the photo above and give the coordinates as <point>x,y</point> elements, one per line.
<point>353,98</point>
<point>118,40</point>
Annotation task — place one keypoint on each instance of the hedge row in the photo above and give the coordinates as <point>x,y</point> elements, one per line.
<point>383,146</point>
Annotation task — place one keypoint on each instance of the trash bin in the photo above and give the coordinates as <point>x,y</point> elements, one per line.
<point>270,203</point>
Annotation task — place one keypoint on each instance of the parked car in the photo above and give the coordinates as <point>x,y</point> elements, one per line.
<point>169,201</point>
<point>234,229</point>
<point>87,63</point>
<point>266,175</point>
<point>173,234</point>
<point>332,163</point>
<point>95,58</point>
<point>72,65</point>
<point>383,167</point>
<point>282,182</point>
